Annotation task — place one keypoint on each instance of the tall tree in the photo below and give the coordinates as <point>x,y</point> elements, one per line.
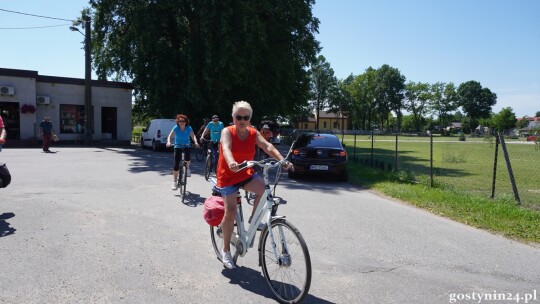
<point>476,101</point>
<point>323,82</point>
<point>443,101</point>
<point>389,93</point>
<point>505,120</point>
<point>197,57</point>
<point>416,100</point>
<point>362,92</point>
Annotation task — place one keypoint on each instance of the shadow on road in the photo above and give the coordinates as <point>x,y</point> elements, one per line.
<point>254,282</point>
<point>5,230</point>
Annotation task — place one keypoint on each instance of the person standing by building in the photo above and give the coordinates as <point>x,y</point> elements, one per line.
<point>47,132</point>
<point>181,133</point>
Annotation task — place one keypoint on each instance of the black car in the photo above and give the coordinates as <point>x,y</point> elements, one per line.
<point>319,154</point>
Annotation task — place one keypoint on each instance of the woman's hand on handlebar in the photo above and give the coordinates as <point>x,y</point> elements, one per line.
<point>234,166</point>
<point>287,165</point>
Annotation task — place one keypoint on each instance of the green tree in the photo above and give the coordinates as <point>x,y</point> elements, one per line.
<point>537,114</point>
<point>443,101</point>
<point>505,120</point>
<point>416,100</point>
<point>197,57</point>
<point>476,101</point>
<point>389,94</point>
<point>340,100</point>
<point>362,92</point>
<point>323,83</point>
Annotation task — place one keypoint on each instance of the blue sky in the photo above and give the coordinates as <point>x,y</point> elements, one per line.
<point>494,42</point>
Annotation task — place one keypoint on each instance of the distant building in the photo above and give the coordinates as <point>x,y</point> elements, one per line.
<point>26,97</point>
<point>534,123</point>
<point>334,122</point>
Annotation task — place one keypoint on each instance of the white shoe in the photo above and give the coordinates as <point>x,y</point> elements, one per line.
<point>174,186</point>
<point>228,261</point>
<point>188,174</point>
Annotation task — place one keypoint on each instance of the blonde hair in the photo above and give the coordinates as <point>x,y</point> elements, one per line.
<point>242,105</point>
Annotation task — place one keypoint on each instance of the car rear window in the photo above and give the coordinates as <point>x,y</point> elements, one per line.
<point>318,141</point>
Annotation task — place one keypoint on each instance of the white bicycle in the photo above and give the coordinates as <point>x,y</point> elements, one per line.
<point>283,253</point>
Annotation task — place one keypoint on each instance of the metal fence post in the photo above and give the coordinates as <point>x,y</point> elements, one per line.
<point>495,166</point>
<point>510,172</point>
<point>372,142</point>
<point>396,160</point>
<point>431,160</point>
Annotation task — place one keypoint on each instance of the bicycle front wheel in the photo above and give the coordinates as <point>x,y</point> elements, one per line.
<point>182,181</point>
<point>289,273</point>
<point>217,242</point>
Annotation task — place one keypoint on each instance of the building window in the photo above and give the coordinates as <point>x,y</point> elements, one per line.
<point>71,119</point>
<point>324,125</point>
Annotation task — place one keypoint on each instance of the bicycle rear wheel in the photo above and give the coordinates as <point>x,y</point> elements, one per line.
<point>217,242</point>
<point>208,166</point>
<point>289,277</point>
<point>182,180</point>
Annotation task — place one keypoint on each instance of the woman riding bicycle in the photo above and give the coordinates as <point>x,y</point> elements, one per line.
<point>181,133</point>
<point>237,145</point>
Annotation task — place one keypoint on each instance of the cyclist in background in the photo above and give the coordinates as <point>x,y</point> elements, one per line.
<point>181,133</point>
<point>214,128</point>
<point>267,134</point>
<point>201,130</point>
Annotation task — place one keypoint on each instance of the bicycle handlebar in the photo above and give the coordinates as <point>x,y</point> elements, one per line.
<point>264,163</point>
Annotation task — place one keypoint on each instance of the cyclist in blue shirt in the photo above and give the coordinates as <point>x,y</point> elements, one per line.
<point>181,133</point>
<point>214,127</point>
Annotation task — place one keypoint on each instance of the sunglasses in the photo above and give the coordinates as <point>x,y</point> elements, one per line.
<point>181,121</point>
<point>240,117</point>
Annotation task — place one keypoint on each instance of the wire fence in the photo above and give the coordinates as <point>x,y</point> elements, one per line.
<point>476,165</point>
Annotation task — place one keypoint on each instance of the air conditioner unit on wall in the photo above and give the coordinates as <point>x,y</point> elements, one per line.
<point>43,100</point>
<point>5,90</point>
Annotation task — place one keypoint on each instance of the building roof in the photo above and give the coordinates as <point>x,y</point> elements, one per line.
<point>62,80</point>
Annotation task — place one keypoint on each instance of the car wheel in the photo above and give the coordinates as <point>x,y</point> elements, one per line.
<point>344,176</point>
<point>142,142</point>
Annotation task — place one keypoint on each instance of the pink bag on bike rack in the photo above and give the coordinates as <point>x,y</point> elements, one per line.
<point>213,210</point>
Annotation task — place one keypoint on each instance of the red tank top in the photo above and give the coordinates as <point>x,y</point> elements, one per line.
<point>241,150</point>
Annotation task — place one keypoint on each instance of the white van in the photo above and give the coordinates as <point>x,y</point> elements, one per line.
<point>155,134</point>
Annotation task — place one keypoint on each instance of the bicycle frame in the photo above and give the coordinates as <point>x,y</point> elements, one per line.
<point>266,209</point>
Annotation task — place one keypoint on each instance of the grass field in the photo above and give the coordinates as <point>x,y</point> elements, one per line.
<point>466,166</point>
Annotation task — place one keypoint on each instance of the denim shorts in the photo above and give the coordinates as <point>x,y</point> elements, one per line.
<point>234,188</point>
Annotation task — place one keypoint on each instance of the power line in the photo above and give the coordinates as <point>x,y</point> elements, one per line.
<point>5,10</point>
<point>34,27</point>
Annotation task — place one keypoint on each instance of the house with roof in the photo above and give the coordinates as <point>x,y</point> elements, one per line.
<point>26,97</point>
<point>533,124</point>
<point>329,121</point>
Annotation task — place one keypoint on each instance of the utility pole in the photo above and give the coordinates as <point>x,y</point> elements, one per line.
<point>88,116</point>
<point>88,112</point>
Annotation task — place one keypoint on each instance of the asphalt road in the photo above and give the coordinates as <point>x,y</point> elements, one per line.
<point>101,225</point>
